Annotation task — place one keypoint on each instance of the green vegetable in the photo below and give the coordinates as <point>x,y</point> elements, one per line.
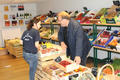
<point>116,64</point>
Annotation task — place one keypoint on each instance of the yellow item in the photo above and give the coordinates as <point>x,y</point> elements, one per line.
<point>49,45</point>
<point>6,8</point>
<point>2,48</point>
<point>101,77</point>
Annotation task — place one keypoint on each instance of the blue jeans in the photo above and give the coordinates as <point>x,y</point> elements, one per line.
<point>32,60</point>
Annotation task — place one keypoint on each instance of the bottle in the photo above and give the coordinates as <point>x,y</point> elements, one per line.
<point>18,7</point>
<point>17,15</point>
<point>30,16</point>
<point>24,15</point>
<point>23,7</point>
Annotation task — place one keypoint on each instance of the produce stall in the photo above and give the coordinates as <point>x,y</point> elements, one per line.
<point>63,70</point>
<point>49,70</point>
<point>54,65</point>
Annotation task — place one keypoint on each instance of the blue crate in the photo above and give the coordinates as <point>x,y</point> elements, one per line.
<point>111,37</point>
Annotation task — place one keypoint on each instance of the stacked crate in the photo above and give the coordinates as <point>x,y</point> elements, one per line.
<point>14,47</point>
<point>42,62</point>
<point>40,74</point>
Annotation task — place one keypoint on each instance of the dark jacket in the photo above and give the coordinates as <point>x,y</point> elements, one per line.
<point>78,42</point>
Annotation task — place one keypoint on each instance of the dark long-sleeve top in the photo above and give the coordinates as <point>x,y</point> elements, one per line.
<point>77,39</point>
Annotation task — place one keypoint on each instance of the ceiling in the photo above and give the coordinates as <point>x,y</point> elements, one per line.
<point>18,1</point>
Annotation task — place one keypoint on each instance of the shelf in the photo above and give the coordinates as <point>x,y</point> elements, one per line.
<point>100,48</point>
<point>107,49</point>
<point>84,24</point>
<point>112,25</point>
<point>54,23</point>
<point>98,24</point>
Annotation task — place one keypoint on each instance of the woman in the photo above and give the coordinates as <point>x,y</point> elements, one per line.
<point>30,40</point>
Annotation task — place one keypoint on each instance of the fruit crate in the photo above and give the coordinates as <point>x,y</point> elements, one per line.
<point>103,38</point>
<point>14,47</point>
<point>41,75</point>
<point>114,43</point>
<point>65,64</point>
<point>15,51</point>
<point>51,52</point>
<point>100,13</point>
<point>44,70</point>
<point>75,74</point>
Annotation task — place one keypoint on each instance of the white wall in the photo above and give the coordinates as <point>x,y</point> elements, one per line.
<point>16,31</point>
<point>71,5</point>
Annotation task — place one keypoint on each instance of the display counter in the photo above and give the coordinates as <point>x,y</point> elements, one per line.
<point>54,65</point>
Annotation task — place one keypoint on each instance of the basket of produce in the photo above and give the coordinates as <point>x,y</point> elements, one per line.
<point>86,76</point>
<point>100,13</point>
<point>106,72</point>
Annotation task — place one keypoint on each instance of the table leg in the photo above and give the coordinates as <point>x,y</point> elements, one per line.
<point>95,58</point>
<point>94,31</point>
<point>109,56</point>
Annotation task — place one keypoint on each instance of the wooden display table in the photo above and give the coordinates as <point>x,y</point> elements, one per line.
<point>50,70</point>
<point>104,49</point>
<point>107,49</point>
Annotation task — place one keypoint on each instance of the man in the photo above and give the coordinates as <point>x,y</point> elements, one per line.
<point>73,39</point>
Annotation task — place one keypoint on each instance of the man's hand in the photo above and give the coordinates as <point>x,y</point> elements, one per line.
<point>77,60</point>
<point>64,46</point>
<point>40,49</point>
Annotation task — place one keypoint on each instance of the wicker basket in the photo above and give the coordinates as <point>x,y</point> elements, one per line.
<point>87,76</point>
<point>108,76</point>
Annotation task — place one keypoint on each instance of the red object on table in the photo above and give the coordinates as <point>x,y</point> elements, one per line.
<point>64,63</point>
